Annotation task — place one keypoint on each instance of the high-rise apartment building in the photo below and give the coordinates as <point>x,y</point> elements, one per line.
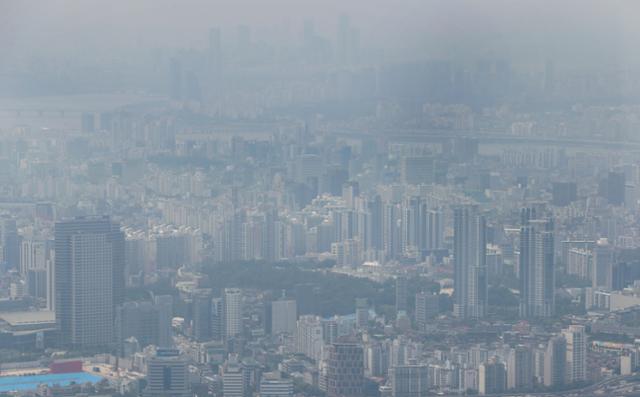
<point>536,266</point>
<point>434,230</point>
<point>555,361</point>
<point>36,265</point>
<point>309,340</point>
<point>576,353</point>
<point>470,270</point>
<point>520,368</point>
<point>492,377</point>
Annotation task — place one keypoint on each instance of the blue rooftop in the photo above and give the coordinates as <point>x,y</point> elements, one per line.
<point>31,382</point>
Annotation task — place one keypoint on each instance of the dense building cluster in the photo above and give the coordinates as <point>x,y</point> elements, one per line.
<point>359,228</point>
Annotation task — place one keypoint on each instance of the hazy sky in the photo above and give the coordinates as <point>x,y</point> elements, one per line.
<point>575,29</point>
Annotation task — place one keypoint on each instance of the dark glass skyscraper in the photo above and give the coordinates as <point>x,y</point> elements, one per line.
<point>345,370</point>
<point>89,279</point>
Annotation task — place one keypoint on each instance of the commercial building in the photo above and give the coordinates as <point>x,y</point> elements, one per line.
<point>345,370</point>
<point>89,279</point>
<point>284,315</point>
<point>167,375</point>
<point>427,308</point>
<point>409,380</point>
<point>233,312</point>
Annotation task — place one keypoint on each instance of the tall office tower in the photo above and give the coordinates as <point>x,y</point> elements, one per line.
<point>201,327</point>
<point>10,243</point>
<point>164,305</point>
<point>427,308</point>
<point>167,375</point>
<point>345,370</point>
<point>284,314</point>
<point>555,362</point>
<point>362,313</point>
<point>536,266</point>
<point>309,337</point>
<point>492,377</point>
<point>89,279</point>
<point>603,262</point>
<point>232,312</point>
<point>234,378</point>
<point>470,270</point>
<point>217,319</point>
<point>401,294</point>
<point>576,357</point>
<point>409,380</point>
<point>273,385</point>
<point>520,368</point>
